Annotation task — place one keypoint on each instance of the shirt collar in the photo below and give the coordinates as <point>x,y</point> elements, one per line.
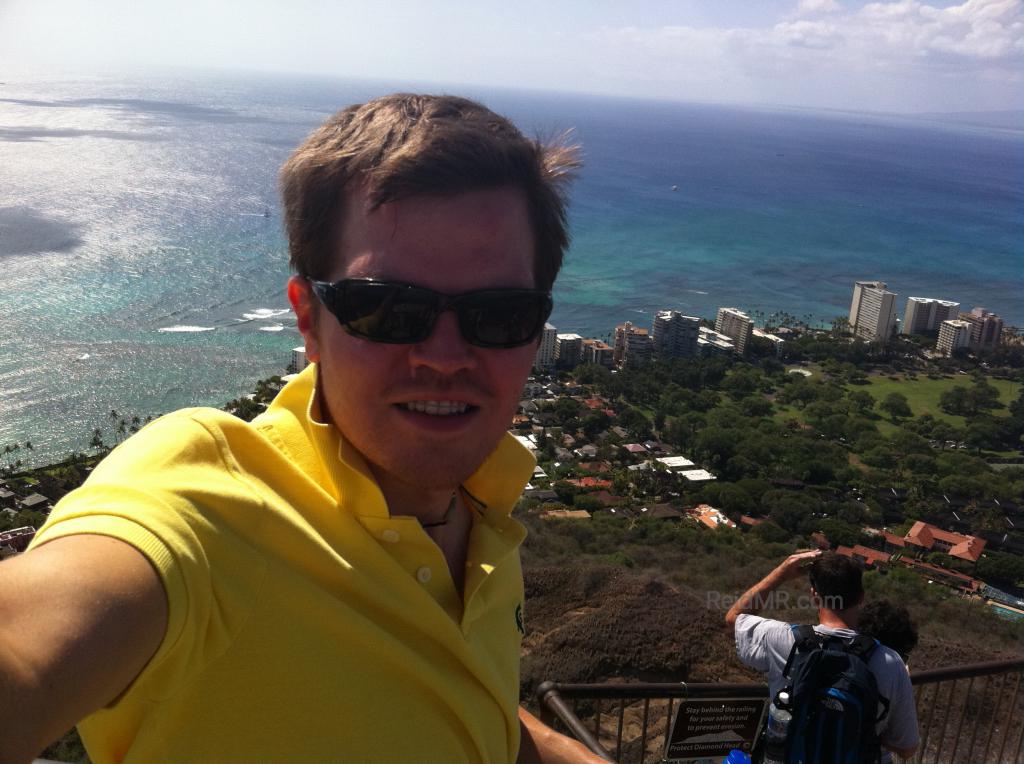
<point>292,421</point>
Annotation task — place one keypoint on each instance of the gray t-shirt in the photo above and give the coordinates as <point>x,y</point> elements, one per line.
<point>764,645</point>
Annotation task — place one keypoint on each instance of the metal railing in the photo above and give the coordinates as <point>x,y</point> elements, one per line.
<point>972,713</point>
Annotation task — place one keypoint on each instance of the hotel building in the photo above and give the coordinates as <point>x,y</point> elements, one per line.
<point>568,350</point>
<point>596,351</point>
<point>734,323</point>
<point>674,335</point>
<point>953,334</point>
<point>711,343</point>
<point>545,357</point>
<point>925,314</point>
<point>873,311</point>
<point>986,328</point>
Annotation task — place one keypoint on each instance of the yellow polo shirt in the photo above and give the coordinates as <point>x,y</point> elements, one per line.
<point>306,624</point>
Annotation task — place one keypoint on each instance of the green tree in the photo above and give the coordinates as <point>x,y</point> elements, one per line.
<point>862,401</point>
<point>896,406</point>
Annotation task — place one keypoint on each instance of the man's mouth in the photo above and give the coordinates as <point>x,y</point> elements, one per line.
<point>437,408</point>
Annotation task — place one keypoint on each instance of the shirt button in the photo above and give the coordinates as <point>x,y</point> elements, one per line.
<point>390,535</point>
<point>423,575</point>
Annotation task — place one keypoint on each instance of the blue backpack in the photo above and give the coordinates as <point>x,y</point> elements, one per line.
<point>833,698</point>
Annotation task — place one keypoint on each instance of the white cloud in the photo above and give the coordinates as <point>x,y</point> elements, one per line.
<point>807,7</point>
<point>901,41</point>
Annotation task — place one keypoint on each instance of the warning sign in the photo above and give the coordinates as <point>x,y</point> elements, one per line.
<point>710,728</point>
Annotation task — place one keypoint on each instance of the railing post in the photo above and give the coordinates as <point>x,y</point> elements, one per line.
<point>546,715</point>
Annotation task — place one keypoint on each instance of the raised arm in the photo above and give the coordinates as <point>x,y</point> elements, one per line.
<point>753,598</point>
<point>80,617</point>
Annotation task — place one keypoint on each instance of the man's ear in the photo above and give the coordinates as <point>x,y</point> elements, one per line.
<point>305,305</point>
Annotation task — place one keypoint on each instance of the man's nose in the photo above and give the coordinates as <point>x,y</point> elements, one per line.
<point>445,351</point>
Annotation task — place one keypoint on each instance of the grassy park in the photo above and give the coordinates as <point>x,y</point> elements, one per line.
<point>922,394</point>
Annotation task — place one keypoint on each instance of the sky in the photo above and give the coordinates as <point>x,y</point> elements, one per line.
<point>902,56</point>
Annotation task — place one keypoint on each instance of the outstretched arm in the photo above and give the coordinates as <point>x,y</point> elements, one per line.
<point>542,745</point>
<point>753,598</point>
<point>80,617</point>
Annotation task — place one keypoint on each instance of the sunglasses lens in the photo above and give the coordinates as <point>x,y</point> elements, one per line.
<point>383,311</point>
<point>503,318</point>
<point>387,312</point>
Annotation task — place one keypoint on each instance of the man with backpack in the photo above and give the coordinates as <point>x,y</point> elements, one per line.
<point>849,696</point>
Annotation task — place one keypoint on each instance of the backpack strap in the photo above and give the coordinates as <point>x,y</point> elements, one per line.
<point>806,639</point>
<point>862,646</point>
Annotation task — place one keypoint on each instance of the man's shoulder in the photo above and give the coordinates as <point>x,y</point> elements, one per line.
<point>749,621</point>
<point>760,629</point>
<point>184,438</point>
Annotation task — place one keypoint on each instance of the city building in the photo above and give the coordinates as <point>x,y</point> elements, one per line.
<point>929,538</point>
<point>596,351</point>
<point>734,323</point>
<point>639,348</point>
<point>568,350</point>
<point>619,341</point>
<point>873,311</point>
<point>674,335</point>
<point>545,358</point>
<point>299,360</point>
<point>986,328</point>
<point>711,343</point>
<point>925,314</point>
<point>953,335</point>
<point>631,345</point>
<point>777,342</point>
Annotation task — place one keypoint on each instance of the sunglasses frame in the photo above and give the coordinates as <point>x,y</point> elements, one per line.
<point>332,295</point>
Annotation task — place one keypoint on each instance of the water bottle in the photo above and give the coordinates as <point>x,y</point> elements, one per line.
<point>779,718</point>
<point>736,756</point>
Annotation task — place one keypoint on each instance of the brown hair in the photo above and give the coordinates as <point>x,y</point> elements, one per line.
<point>838,580</point>
<point>404,145</point>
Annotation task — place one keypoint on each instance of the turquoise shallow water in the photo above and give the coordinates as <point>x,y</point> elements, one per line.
<point>133,209</point>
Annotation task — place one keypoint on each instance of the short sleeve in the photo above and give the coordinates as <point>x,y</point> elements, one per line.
<point>901,730</point>
<point>757,639</point>
<point>163,492</point>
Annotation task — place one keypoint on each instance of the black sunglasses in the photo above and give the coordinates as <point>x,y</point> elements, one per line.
<point>390,311</point>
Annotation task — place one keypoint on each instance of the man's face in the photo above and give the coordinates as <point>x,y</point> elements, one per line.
<point>451,244</point>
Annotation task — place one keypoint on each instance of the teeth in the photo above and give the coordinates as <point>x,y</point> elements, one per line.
<point>436,408</point>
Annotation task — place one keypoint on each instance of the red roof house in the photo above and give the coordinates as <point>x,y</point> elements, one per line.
<point>933,539</point>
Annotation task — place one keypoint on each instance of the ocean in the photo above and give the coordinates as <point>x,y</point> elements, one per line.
<point>142,258</point>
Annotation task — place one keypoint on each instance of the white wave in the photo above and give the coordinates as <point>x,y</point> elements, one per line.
<point>83,357</point>
<point>696,291</point>
<point>271,328</point>
<point>262,314</point>
<point>186,329</point>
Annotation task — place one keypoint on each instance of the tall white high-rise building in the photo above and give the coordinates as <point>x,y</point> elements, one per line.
<point>674,335</point>
<point>734,323</point>
<point>568,350</point>
<point>953,334</point>
<point>924,314</point>
<point>299,360</point>
<point>545,357</point>
<point>873,311</point>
